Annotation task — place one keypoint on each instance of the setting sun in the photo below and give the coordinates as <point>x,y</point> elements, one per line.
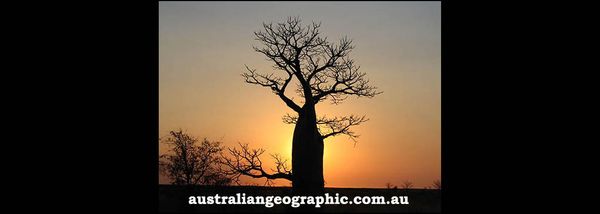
<point>205,46</point>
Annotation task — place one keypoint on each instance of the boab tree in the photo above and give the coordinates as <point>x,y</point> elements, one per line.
<point>322,70</point>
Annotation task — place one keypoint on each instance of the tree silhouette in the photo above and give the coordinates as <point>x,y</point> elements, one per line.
<point>322,70</point>
<point>190,163</point>
<point>407,185</point>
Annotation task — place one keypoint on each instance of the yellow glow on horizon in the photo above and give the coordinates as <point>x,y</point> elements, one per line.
<point>203,47</point>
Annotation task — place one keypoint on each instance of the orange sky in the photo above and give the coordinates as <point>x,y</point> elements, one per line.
<point>203,47</point>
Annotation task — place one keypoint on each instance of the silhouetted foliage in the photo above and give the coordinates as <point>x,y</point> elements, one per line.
<point>191,164</point>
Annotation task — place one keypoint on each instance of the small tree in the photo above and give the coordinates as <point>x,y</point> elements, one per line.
<point>407,185</point>
<point>191,164</point>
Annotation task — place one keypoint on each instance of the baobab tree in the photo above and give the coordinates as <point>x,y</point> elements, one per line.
<point>321,70</point>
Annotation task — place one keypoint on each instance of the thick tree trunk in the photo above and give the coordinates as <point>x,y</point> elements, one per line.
<point>307,154</point>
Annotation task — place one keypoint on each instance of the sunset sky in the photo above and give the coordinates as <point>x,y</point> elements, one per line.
<point>203,47</point>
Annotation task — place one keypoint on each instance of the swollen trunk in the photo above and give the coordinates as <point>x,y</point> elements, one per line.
<point>307,154</point>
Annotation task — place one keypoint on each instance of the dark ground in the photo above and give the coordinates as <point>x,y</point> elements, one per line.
<point>175,199</point>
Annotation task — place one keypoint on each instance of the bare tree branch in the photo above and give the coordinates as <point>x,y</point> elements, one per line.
<point>339,125</point>
<point>246,161</point>
<point>276,84</point>
<point>281,165</point>
<point>323,69</point>
<point>289,119</point>
<point>340,81</point>
<point>329,127</point>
